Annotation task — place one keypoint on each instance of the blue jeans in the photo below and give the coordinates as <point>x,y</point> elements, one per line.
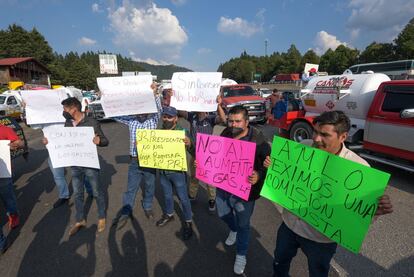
<point>60,180</point>
<point>78,182</point>
<point>236,212</point>
<point>7,195</point>
<point>319,254</point>
<point>135,175</point>
<point>179,180</point>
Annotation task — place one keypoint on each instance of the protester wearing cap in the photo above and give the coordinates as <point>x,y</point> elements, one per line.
<point>307,76</point>
<point>178,179</point>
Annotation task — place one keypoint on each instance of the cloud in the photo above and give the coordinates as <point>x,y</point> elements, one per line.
<point>178,2</point>
<point>324,41</point>
<point>151,32</point>
<point>385,17</point>
<point>204,51</point>
<point>84,41</point>
<point>96,8</point>
<point>238,26</point>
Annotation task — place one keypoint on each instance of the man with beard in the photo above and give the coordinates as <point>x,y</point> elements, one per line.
<point>234,211</point>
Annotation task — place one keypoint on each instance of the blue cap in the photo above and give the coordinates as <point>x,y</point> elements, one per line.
<point>171,111</point>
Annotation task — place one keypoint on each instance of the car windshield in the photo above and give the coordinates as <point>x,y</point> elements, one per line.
<point>233,91</point>
<point>2,99</point>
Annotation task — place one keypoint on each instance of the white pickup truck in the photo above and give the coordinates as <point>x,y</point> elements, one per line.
<point>11,104</point>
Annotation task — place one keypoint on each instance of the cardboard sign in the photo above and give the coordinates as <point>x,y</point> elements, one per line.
<point>225,163</point>
<point>195,91</point>
<point>162,149</point>
<point>127,95</point>
<point>337,197</point>
<point>44,106</point>
<point>5,159</point>
<point>71,146</point>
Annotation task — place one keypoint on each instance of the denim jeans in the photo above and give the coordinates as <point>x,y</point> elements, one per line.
<point>319,254</point>
<point>7,195</point>
<point>60,180</point>
<point>78,181</point>
<point>236,213</point>
<point>169,179</point>
<point>135,176</point>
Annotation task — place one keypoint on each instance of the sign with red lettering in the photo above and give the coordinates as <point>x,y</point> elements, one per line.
<point>225,163</point>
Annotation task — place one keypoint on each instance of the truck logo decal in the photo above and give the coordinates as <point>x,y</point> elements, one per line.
<point>330,104</point>
<point>332,85</point>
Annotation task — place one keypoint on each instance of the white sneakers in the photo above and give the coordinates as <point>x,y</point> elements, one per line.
<point>231,239</point>
<point>239,264</point>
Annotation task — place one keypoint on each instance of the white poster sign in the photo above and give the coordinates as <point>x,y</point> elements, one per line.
<point>127,95</point>
<point>195,91</point>
<point>108,64</point>
<point>71,146</point>
<point>311,66</point>
<point>44,106</point>
<point>5,160</point>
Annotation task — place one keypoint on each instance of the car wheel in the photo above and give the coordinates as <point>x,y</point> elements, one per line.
<point>300,131</point>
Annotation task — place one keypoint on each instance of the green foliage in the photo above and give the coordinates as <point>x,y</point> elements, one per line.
<point>404,43</point>
<point>378,52</point>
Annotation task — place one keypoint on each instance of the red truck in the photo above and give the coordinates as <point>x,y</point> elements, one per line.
<point>381,113</point>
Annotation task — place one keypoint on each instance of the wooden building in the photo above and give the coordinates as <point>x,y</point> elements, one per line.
<point>27,70</point>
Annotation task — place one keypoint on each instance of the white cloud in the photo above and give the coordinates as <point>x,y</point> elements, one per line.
<point>204,51</point>
<point>178,2</point>
<point>324,41</point>
<point>148,60</point>
<point>84,41</point>
<point>96,8</point>
<point>238,26</point>
<point>152,32</point>
<point>386,18</point>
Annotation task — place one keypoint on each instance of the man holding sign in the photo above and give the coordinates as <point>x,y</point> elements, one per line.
<point>233,210</point>
<point>6,183</point>
<point>330,131</point>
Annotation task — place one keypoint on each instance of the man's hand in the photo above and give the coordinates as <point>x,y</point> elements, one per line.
<point>195,163</point>
<point>384,205</point>
<point>45,141</point>
<point>16,144</point>
<point>96,140</point>
<point>154,88</point>
<point>219,99</point>
<point>254,178</point>
<point>187,141</point>
<point>267,162</point>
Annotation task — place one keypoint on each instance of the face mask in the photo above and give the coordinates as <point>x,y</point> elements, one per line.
<point>235,131</point>
<point>168,124</point>
<point>67,116</point>
<point>141,118</point>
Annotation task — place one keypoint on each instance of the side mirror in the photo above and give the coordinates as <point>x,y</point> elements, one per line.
<point>407,113</point>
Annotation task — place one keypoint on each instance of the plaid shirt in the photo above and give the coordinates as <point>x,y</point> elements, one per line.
<point>134,124</point>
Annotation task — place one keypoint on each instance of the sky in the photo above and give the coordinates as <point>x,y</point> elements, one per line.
<point>201,34</point>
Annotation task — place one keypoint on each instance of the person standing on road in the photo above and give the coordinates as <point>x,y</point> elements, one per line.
<point>330,131</point>
<point>177,179</point>
<point>234,211</point>
<point>7,194</point>
<point>136,173</point>
<point>201,123</point>
<point>76,118</point>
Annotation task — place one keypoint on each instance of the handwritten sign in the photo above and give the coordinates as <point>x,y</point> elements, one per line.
<point>71,146</point>
<point>44,106</point>
<point>195,91</point>
<point>5,163</point>
<point>336,196</point>
<point>127,95</point>
<point>225,163</point>
<point>162,149</point>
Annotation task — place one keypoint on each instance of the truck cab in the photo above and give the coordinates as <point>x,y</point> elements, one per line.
<point>247,97</point>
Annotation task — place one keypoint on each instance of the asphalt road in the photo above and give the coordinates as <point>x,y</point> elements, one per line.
<point>41,245</point>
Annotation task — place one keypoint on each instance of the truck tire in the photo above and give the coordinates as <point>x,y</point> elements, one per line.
<point>300,131</point>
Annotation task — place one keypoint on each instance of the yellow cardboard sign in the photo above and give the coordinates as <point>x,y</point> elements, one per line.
<point>163,149</point>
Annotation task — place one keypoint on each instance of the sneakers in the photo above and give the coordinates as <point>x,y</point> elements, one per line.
<point>149,214</point>
<point>231,239</point>
<point>120,221</point>
<point>77,227</point>
<point>211,206</point>
<point>187,230</point>
<point>60,202</point>
<point>239,264</point>
<point>164,220</point>
<point>14,221</point>
<point>101,225</point>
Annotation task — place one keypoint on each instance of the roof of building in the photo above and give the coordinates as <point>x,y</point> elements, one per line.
<point>13,61</point>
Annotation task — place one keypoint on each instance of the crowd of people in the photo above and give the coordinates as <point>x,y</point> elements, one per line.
<point>330,131</point>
